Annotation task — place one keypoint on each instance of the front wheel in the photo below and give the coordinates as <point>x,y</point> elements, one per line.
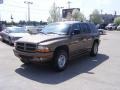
<point>10,41</point>
<point>2,39</point>
<point>101,32</point>
<point>60,60</point>
<point>94,50</point>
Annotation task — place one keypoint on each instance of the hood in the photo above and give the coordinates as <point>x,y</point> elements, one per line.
<point>18,34</point>
<point>41,38</point>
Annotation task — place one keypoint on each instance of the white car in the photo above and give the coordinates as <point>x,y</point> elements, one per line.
<point>11,34</point>
<point>118,28</point>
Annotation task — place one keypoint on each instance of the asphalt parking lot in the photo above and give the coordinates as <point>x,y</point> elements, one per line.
<point>86,73</point>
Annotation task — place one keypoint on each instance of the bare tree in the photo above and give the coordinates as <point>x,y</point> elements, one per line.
<point>54,14</point>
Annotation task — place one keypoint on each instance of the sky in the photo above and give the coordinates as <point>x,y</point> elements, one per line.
<point>40,8</point>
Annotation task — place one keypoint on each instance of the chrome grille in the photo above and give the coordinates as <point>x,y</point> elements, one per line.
<point>26,47</point>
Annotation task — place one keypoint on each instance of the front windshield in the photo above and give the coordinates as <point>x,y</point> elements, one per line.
<point>17,30</point>
<point>56,28</point>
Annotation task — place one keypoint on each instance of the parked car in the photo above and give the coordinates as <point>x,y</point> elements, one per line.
<point>58,43</point>
<point>101,26</point>
<point>102,31</point>
<point>11,34</point>
<point>118,28</point>
<point>34,29</point>
<point>111,26</point>
<point>39,28</point>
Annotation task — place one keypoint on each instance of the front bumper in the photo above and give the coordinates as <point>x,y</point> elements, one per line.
<point>35,56</point>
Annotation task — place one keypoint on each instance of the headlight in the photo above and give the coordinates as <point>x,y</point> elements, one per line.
<point>42,49</point>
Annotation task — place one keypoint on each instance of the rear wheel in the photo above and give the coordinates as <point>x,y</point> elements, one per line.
<point>60,60</point>
<point>94,50</point>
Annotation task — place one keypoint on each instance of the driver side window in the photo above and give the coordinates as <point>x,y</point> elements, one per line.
<point>76,29</point>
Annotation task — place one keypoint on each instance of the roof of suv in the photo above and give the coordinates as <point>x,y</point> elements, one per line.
<point>71,22</point>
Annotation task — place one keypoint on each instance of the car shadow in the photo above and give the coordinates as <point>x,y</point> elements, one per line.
<point>44,74</point>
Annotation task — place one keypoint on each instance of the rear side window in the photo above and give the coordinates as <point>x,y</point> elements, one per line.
<point>76,28</point>
<point>85,28</point>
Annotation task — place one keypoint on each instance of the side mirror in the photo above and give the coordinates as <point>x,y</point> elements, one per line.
<point>76,32</point>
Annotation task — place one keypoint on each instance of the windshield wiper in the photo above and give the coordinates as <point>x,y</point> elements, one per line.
<point>52,33</point>
<point>42,33</point>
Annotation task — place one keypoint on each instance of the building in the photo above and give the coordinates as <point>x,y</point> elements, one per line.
<point>108,18</point>
<point>68,12</point>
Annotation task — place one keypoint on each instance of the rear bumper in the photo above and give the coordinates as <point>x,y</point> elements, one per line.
<point>34,57</point>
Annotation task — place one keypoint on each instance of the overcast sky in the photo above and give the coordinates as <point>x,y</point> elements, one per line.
<point>40,8</point>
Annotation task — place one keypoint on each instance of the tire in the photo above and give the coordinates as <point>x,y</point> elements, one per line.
<point>2,39</point>
<point>94,50</point>
<point>10,42</point>
<point>60,60</point>
<point>25,61</point>
<point>101,33</point>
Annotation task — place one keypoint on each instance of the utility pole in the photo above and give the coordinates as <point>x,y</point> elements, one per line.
<point>28,3</point>
<point>59,10</point>
<point>101,11</point>
<point>1,2</point>
<point>69,4</point>
<point>12,19</point>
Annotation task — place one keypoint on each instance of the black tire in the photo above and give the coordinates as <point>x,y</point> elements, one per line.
<point>25,61</point>
<point>94,50</point>
<point>10,42</point>
<point>2,39</point>
<point>60,65</point>
<point>101,32</point>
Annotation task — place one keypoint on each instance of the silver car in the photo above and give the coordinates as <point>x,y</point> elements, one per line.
<point>11,34</point>
<point>102,31</point>
<point>118,28</point>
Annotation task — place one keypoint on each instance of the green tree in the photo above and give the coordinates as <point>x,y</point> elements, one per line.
<point>95,17</point>
<point>54,14</point>
<point>77,15</point>
<point>117,20</point>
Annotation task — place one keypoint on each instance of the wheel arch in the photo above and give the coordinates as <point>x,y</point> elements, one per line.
<point>63,47</point>
<point>96,41</point>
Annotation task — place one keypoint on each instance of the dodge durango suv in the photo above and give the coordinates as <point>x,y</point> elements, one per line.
<point>58,43</point>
